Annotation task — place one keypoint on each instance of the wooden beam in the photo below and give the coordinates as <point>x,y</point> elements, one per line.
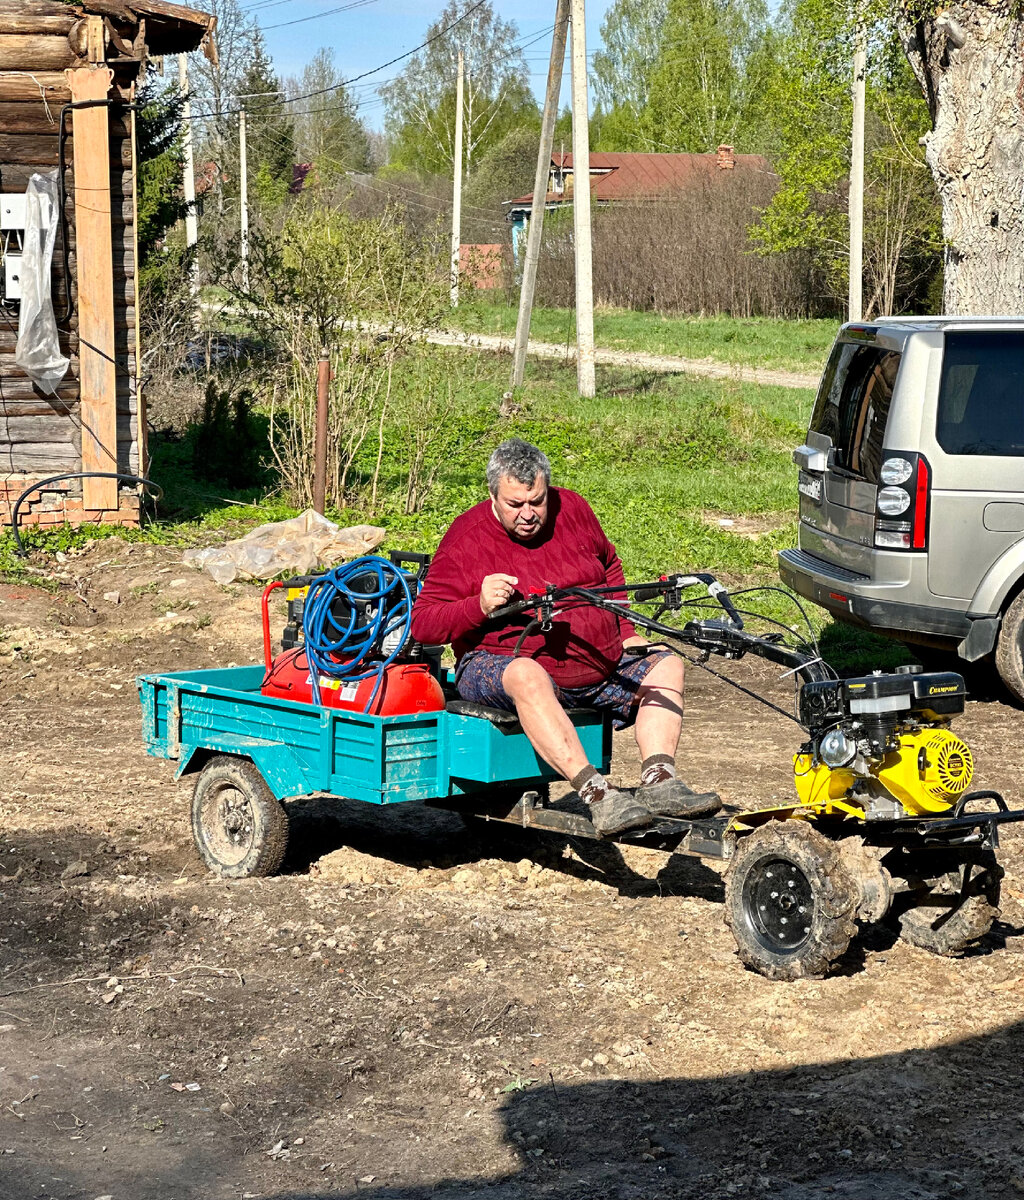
<point>95,275</point>
<point>95,41</point>
<point>30,51</point>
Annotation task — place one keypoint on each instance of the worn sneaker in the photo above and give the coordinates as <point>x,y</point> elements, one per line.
<point>672,798</point>
<point>618,811</point>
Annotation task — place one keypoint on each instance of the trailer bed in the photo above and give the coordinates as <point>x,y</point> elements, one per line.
<point>301,749</point>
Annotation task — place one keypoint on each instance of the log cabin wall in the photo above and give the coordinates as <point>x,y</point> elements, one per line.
<point>52,52</point>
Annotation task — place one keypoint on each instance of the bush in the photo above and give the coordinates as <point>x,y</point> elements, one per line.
<point>688,253</point>
<point>227,439</point>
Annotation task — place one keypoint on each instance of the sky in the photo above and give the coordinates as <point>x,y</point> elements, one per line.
<point>369,32</point>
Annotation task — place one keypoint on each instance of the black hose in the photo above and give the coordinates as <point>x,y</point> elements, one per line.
<point>20,550</point>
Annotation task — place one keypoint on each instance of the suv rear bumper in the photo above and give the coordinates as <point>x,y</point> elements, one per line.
<point>836,589</point>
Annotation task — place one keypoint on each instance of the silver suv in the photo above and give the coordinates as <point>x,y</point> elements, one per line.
<point>912,487</point>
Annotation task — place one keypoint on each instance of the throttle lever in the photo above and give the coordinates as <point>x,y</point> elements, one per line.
<point>718,591</point>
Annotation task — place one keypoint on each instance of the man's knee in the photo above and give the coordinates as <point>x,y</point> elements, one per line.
<point>667,673</point>
<point>524,679</point>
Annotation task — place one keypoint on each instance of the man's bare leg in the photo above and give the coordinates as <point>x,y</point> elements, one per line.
<point>658,726</point>
<point>544,721</point>
<point>551,733</point>
<point>659,720</point>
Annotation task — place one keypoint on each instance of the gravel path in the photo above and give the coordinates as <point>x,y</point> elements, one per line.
<point>668,364</point>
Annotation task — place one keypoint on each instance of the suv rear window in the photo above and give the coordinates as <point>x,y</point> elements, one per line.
<point>981,397</point>
<point>853,405</point>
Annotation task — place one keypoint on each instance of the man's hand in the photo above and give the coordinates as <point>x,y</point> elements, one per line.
<point>495,591</point>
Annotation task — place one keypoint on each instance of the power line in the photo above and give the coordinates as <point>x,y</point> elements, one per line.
<point>330,12</point>
<point>365,74</point>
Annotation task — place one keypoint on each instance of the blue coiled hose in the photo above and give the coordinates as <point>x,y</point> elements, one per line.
<point>327,640</point>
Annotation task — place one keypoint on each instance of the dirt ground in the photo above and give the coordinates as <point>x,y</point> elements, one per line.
<point>411,1011</point>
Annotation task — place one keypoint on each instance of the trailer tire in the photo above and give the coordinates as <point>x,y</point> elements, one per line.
<point>817,889</point>
<point>940,916</point>
<point>1010,649</point>
<point>239,826</point>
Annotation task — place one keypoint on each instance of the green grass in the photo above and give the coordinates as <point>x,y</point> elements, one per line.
<point>800,346</point>
<point>660,458</point>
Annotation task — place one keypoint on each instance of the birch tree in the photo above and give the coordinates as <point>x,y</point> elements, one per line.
<point>967,58</point>
<point>631,33</point>
<point>420,102</point>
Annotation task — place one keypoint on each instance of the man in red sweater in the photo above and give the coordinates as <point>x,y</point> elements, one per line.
<point>526,536</point>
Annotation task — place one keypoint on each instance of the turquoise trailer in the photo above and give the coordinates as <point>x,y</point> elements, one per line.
<point>252,753</point>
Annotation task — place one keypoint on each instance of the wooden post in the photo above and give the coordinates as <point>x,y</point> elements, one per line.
<point>323,381</point>
<point>540,189</point>
<point>95,254</point>
<point>585,383</point>
<point>243,175</point>
<point>856,302</point>
<point>188,174</point>
<point>457,190</point>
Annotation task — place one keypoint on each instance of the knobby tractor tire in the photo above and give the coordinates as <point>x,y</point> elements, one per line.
<point>1010,649</point>
<point>944,915</point>
<point>790,901</point>
<point>239,826</point>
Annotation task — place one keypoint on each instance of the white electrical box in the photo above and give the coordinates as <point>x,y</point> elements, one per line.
<point>12,211</point>
<point>12,276</point>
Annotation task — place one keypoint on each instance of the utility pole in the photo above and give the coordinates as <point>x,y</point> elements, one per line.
<point>243,171</point>
<point>856,302</point>
<point>540,190</point>
<point>457,190</point>
<point>323,383</point>
<point>188,173</point>
<point>581,206</point>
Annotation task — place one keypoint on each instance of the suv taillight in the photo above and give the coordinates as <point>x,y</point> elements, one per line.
<point>901,505</point>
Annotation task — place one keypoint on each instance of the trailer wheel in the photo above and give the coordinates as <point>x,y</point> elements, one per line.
<point>944,912</point>
<point>790,901</point>
<point>239,826</point>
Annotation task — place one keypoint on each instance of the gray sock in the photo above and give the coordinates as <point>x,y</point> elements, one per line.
<point>590,784</point>
<point>657,768</point>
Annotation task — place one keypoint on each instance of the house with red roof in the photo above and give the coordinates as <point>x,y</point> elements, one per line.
<point>625,177</point>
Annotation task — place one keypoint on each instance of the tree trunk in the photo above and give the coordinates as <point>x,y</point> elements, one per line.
<point>976,147</point>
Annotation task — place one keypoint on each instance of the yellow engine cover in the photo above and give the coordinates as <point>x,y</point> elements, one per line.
<point>929,770</point>
<point>818,786</point>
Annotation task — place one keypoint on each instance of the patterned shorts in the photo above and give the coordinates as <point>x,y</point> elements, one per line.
<point>478,678</point>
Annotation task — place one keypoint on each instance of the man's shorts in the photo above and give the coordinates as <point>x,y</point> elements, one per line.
<point>478,678</point>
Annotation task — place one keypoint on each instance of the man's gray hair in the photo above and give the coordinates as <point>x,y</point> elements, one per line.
<point>518,460</point>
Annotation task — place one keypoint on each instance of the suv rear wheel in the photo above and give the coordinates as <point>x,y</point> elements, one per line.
<point>1010,649</point>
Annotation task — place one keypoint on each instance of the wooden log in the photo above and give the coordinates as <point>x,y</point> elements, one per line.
<point>124,318</point>
<point>40,460</point>
<point>37,406</point>
<point>16,178</point>
<point>44,8</point>
<point>56,25</point>
<point>9,337</point>
<point>43,150</point>
<point>25,84</point>
<point>10,371</point>
<point>30,117</point>
<point>124,261</point>
<point>51,429</point>
<point>35,52</point>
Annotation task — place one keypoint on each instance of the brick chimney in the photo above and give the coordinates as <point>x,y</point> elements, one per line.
<point>726,162</point>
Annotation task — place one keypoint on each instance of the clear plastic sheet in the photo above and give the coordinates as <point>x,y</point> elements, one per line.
<point>295,547</point>
<point>38,350</point>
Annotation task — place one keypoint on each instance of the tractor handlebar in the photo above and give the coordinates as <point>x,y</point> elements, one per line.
<point>725,637</point>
